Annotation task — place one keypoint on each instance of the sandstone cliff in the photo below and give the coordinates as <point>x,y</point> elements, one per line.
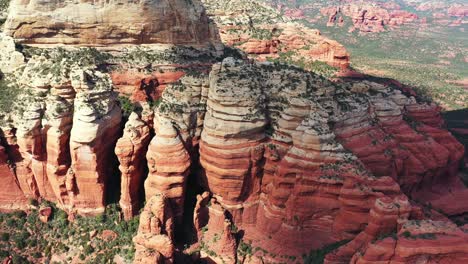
<point>242,161</point>
<point>110,22</point>
<point>290,158</point>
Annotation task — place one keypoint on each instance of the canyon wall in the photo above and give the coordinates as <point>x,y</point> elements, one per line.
<point>240,160</point>
<point>109,22</point>
<point>295,162</point>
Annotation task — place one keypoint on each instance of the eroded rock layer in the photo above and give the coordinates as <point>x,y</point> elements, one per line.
<point>272,35</point>
<point>275,160</point>
<point>109,22</point>
<point>61,133</point>
<point>130,150</point>
<point>297,162</point>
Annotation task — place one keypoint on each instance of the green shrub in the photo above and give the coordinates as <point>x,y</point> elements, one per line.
<point>19,259</point>
<point>37,255</point>
<point>4,237</point>
<point>127,106</point>
<point>88,250</point>
<point>317,256</point>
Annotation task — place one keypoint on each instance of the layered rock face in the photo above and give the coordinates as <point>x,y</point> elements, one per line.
<point>289,160</point>
<point>252,162</point>
<point>62,132</point>
<point>155,233</point>
<point>12,197</point>
<point>93,137</point>
<point>368,18</point>
<point>109,22</point>
<point>295,162</point>
<point>272,34</point>
<point>130,150</point>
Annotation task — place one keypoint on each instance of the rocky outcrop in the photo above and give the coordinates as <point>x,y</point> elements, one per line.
<point>11,196</point>
<point>281,160</point>
<point>368,17</point>
<point>428,241</point>
<point>293,38</point>
<point>385,218</point>
<point>93,137</point>
<point>292,161</point>
<point>130,151</point>
<point>272,35</point>
<point>154,242</point>
<point>178,123</point>
<point>107,23</point>
<point>458,10</point>
<point>216,234</point>
<point>62,132</point>
<point>10,59</point>
<point>267,161</point>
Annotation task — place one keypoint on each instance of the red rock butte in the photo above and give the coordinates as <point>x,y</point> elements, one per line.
<point>285,159</point>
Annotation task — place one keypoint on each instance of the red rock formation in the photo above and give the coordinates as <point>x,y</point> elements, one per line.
<point>307,44</point>
<point>369,18</point>
<point>25,180</point>
<point>297,172</point>
<point>216,237</point>
<point>400,17</point>
<point>11,195</point>
<point>178,123</point>
<point>386,217</point>
<point>271,34</point>
<point>293,161</point>
<point>57,134</point>
<point>130,151</point>
<point>154,241</point>
<point>232,166</point>
<point>93,137</point>
<point>427,241</point>
<point>458,11</point>
<point>141,87</point>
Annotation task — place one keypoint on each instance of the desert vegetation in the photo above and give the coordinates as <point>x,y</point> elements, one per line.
<point>89,239</point>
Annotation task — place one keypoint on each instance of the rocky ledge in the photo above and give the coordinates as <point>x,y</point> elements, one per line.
<point>283,156</point>
<point>109,22</point>
<point>240,161</point>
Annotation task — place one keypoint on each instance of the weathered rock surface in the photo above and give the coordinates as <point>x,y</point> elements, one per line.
<point>419,241</point>
<point>368,17</point>
<point>105,23</point>
<point>178,123</point>
<point>272,34</point>
<point>283,161</point>
<point>62,132</point>
<point>130,151</point>
<point>309,163</point>
<point>95,131</point>
<point>11,196</point>
<point>154,242</point>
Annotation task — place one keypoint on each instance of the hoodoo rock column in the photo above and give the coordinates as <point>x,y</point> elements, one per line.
<point>94,134</point>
